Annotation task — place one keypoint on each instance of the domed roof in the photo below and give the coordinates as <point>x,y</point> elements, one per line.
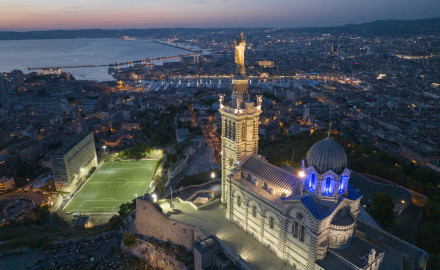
<point>327,155</point>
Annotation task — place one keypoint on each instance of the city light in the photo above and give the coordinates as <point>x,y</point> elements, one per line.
<point>301,174</point>
<point>213,175</point>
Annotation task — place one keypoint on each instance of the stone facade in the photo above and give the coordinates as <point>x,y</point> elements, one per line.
<point>152,223</point>
<point>300,218</point>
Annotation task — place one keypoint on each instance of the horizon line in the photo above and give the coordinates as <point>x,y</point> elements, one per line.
<point>205,27</point>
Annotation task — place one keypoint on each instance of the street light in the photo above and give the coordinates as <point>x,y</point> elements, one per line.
<point>212,175</point>
<point>301,174</point>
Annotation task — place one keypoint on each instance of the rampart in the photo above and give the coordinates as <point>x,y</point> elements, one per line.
<point>153,223</point>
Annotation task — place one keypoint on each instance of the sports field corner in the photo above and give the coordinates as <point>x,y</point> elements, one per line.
<point>115,183</point>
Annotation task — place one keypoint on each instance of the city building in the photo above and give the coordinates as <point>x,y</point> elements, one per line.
<point>181,134</point>
<point>72,162</point>
<point>6,183</point>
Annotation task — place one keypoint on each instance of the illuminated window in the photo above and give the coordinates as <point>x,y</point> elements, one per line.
<point>343,184</point>
<point>327,186</point>
<point>238,201</point>
<point>271,222</point>
<point>254,211</point>
<point>312,181</point>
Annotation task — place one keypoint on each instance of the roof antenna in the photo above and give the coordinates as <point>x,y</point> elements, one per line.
<point>329,130</point>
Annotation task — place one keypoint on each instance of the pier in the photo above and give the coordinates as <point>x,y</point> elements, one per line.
<point>128,63</point>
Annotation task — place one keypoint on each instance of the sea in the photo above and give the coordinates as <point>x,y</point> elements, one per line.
<point>22,54</point>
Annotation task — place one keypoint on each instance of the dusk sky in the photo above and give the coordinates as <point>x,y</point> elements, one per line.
<point>79,14</point>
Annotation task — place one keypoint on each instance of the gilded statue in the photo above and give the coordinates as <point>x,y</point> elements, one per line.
<point>240,46</point>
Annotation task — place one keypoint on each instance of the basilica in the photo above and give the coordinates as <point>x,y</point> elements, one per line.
<point>309,218</point>
<point>266,217</point>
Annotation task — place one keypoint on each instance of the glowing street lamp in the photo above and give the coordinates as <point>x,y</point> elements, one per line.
<point>301,174</point>
<point>213,175</point>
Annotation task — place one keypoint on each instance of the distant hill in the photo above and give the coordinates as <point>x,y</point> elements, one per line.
<point>390,27</point>
<point>382,27</point>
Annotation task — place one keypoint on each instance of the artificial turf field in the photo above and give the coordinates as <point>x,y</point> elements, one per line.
<point>115,183</point>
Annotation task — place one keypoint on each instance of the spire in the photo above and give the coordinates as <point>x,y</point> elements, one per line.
<point>329,130</point>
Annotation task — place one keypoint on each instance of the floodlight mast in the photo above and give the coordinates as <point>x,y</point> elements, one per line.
<point>171,201</point>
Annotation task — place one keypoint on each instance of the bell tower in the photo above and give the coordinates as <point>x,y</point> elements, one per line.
<point>240,119</point>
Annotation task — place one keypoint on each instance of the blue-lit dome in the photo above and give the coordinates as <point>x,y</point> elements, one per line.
<point>327,155</point>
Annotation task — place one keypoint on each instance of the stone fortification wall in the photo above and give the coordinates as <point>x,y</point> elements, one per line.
<point>154,256</point>
<point>152,223</point>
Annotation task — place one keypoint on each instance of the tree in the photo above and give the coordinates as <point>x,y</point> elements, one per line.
<point>382,209</point>
<point>128,238</point>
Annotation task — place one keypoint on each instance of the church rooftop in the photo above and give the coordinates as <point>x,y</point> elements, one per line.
<point>319,211</point>
<point>272,174</point>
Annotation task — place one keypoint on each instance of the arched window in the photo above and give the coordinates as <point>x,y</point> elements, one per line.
<point>327,185</point>
<point>225,124</point>
<point>302,233</point>
<point>313,181</point>
<point>343,184</point>
<point>238,201</point>
<point>271,222</point>
<point>295,229</point>
<point>254,211</point>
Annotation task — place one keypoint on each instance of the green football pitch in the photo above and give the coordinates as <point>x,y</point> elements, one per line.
<point>115,183</point>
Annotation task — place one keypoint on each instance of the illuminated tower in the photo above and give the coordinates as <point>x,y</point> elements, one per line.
<point>240,120</point>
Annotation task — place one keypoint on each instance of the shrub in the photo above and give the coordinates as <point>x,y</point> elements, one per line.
<point>128,239</point>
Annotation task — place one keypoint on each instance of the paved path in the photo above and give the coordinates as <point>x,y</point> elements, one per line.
<point>213,221</point>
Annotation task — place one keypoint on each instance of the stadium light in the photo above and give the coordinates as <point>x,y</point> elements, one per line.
<point>301,174</point>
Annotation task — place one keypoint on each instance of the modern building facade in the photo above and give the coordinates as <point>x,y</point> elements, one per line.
<point>73,161</point>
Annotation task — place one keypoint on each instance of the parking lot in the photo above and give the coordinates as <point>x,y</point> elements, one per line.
<point>15,209</point>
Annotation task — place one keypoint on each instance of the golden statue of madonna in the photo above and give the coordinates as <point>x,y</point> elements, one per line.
<point>240,46</point>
